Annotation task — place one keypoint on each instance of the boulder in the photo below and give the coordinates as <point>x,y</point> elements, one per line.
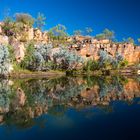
<point>45,38</point>
<point>19,51</point>
<point>1,24</point>
<point>37,35</point>
<point>4,40</point>
<point>30,34</point>
<point>0,30</point>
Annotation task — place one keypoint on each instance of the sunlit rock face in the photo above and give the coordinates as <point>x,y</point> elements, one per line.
<point>0,30</point>
<point>40,37</point>
<point>37,35</point>
<point>4,40</point>
<point>19,51</point>
<point>45,38</point>
<point>89,48</point>
<point>1,24</point>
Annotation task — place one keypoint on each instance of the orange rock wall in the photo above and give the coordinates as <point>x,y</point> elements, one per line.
<point>130,52</point>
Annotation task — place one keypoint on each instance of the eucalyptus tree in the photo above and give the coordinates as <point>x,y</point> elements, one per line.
<point>24,18</point>
<point>58,32</point>
<point>109,34</point>
<point>130,40</point>
<point>88,30</point>
<point>77,32</point>
<point>40,20</point>
<point>106,34</point>
<point>138,41</point>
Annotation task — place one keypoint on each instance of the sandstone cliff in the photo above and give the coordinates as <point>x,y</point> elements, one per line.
<point>87,47</point>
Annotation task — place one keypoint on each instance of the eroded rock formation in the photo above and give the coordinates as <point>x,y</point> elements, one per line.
<point>89,48</point>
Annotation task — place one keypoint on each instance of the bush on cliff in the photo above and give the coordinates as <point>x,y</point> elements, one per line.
<point>67,60</point>
<point>5,66</point>
<point>24,18</point>
<point>91,65</point>
<point>8,27</point>
<point>106,61</point>
<point>59,32</point>
<point>36,57</point>
<point>40,20</point>
<point>106,34</point>
<point>29,57</point>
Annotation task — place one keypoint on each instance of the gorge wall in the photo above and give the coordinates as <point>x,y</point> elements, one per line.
<point>87,47</point>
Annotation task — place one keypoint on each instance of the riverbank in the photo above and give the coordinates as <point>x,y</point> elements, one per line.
<point>53,74</point>
<point>37,74</point>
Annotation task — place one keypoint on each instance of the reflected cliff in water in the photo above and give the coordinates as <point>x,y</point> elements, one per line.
<point>23,100</point>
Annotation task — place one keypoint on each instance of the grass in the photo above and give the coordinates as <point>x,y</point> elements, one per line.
<point>18,72</point>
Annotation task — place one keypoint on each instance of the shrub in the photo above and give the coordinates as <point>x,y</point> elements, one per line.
<point>58,32</point>
<point>66,59</point>
<point>36,57</point>
<point>25,18</point>
<point>8,26</point>
<point>40,21</point>
<point>116,63</point>
<point>29,57</point>
<point>44,50</point>
<point>105,60</point>
<point>91,65</point>
<point>77,32</point>
<point>4,60</point>
<point>106,34</point>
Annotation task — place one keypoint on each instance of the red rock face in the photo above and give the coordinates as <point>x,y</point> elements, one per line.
<point>91,49</point>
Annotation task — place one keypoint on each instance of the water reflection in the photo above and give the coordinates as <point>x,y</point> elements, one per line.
<point>23,100</point>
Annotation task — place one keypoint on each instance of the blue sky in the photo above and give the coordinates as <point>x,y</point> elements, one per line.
<point>122,16</point>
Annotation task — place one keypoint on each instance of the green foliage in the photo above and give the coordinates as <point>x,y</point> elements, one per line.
<point>66,59</point>
<point>107,34</point>
<point>100,36</point>
<point>108,62</point>
<point>91,65</point>
<point>11,53</point>
<point>24,18</point>
<point>59,32</point>
<point>105,60</point>
<point>88,30</point>
<point>8,26</point>
<point>29,57</point>
<point>139,40</point>
<point>123,63</point>
<point>117,61</point>
<point>77,32</point>
<point>130,40</point>
<point>4,60</point>
<point>40,21</point>
<point>37,57</point>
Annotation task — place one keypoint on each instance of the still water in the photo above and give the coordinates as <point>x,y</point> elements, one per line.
<point>81,108</point>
